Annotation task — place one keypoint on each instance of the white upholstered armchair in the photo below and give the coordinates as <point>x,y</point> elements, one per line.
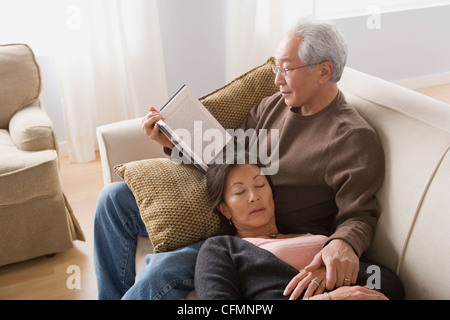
<point>35,216</point>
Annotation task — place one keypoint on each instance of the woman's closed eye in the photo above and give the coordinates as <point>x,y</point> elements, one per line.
<point>260,182</point>
<point>239,188</point>
<point>242,191</point>
<point>238,191</point>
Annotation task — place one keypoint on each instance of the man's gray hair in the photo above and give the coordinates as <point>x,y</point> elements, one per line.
<point>322,41</point>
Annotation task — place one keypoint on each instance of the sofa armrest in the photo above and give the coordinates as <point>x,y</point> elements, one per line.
<point>31,129</point>
<point>123,142</point>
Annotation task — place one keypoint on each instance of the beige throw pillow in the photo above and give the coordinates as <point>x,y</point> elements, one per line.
<point>231,103</point>
<point>172,201</point>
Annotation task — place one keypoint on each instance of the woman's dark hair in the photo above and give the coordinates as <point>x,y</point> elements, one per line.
<point>215,185</point>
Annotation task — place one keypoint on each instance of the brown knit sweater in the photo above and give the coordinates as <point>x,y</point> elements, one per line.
<point>331,166</point>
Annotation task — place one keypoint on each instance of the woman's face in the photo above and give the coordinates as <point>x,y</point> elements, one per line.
<point>248,199</point>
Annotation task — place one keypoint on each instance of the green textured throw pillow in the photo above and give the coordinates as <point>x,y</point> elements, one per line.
<point>231,103</point>
<point>172,201</point>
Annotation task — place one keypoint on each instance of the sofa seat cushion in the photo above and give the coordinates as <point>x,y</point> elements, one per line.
<point>24,175</point>
<point>20,80</point>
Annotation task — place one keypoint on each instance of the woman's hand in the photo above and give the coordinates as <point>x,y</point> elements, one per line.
<point>151,129</point>
<point>313,282</point>
<point>351,293</point>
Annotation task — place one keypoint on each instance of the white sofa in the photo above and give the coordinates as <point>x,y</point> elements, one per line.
<point>413,233</point>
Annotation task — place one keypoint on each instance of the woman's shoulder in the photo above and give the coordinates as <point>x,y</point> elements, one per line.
<point>219,239</point>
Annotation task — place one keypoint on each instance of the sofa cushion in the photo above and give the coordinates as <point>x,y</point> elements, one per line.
<point>429,241</point>
<point>172,200</point>
<point>31,129</point>
<point>20,80</point>
<point>231,103</point>
<point>25,176</point>
<point>13,159</point>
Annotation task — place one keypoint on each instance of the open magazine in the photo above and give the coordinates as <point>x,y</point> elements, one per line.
<point>193,129</point>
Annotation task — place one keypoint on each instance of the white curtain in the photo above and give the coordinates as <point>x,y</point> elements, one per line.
<point>108,55</point>
<point>255,27</point>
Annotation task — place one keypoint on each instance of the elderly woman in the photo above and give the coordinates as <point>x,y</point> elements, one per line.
<point>256,261</point>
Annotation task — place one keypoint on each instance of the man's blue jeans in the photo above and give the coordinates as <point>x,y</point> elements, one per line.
<point>168,275</point>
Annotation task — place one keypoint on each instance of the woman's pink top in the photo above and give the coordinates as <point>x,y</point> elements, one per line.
<point>297,251</point>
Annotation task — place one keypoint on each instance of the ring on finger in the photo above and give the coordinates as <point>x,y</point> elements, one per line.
<point>317,283</point>
<point>347,280</point>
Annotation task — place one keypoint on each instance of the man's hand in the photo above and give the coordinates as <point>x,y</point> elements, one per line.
<point>341,262</point>
<point>151,129</point>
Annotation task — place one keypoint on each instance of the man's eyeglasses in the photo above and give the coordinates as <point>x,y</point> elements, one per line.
<point>285,72</point>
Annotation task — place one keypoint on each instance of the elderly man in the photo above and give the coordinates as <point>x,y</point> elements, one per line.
<point>330,168</point>
<point>331,161</point>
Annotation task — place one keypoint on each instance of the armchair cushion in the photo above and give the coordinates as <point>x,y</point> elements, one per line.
<point>172,198</point>
<point>14,160</point>
<point>20,82</point>
<point>31,129</point>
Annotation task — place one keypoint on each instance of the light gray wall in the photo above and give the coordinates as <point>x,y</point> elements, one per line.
<point>51,95</point>
<point>193,36</point>
<point>409,44</point>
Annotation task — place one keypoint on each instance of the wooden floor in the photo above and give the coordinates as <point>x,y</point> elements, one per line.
<point>46,278</point>
<point>441,92</point>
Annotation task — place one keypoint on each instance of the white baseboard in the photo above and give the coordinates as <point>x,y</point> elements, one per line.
<point>63,149</point>
<point>426,81</point>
